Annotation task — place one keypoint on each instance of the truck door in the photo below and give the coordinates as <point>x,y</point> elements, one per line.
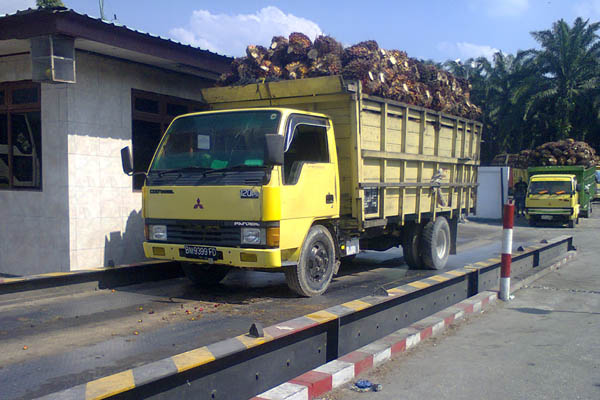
<point>310,186</point>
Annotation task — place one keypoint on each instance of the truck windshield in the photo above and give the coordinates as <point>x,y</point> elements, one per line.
<point>216,141</point>
<point>550,187</point>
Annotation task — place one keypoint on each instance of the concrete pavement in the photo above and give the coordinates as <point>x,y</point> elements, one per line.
<point>544,344</point>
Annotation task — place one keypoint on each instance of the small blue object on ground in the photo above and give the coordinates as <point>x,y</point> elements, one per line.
<point>364,385</point>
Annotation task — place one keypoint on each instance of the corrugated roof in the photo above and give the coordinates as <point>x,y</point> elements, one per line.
<point>113,23</point>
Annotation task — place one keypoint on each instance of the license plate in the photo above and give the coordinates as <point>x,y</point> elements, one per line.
<point>201,252</point>
<point>547,217</point>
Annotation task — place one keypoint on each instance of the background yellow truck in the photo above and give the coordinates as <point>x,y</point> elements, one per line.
<point>552,198</point>
<point>296,175</point>
<point>560,193</point>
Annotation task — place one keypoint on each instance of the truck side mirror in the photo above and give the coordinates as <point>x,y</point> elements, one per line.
<point>127,160</point>
<point>273,149</point>
<point>578,187</point>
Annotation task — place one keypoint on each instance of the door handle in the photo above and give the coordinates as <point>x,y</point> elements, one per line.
<point>329,199</point>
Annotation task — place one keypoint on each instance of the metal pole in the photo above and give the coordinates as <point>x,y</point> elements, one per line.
<point>507,233</point>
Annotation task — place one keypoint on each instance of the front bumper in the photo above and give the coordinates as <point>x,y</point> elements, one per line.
<point>536,211</point>
<point>264,258</point>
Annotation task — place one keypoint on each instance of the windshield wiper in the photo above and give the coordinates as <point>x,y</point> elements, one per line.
<point>234,168</point>
<point>179,170</point>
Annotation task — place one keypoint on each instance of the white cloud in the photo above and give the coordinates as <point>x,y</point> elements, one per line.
<point>501,8</point>
<point>588,9</point>
<point>10,6</point>
<point>230,34</point>
<point>465,50</point>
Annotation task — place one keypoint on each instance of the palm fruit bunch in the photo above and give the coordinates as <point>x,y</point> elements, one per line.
<point>389,74</point>
<point>562,152</point>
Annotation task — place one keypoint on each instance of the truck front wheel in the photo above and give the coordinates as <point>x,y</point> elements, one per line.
<point>435,243</point>
<point>314,271</point>
<point>204,274</point>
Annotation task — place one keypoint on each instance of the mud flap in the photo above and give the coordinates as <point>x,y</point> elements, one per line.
<point>453,234</point>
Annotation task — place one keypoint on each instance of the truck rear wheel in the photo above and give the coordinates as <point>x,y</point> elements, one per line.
<point>435,243</point>
<point>571,223</point>
<point>314,271</point>
<point>411,245</point>
<point>204,274</point>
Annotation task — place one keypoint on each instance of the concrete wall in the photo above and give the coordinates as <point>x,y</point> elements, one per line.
<point>87,214</point>
<point>105,213</point>
<point>34,226</point>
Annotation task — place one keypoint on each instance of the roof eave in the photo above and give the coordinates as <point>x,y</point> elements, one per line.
<point>67,22</point>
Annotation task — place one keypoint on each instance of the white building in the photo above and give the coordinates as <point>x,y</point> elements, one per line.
<point>65,203</point>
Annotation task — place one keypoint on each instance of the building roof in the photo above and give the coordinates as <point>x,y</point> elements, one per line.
<point>108,38</point>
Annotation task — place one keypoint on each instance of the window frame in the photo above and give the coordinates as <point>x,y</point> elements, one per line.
<point>162,117</point>
<point>295,121</point>
<point>7,108</point>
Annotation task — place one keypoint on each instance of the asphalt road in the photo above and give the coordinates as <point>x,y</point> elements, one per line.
<point>543,344</point>
<point>78,333</point>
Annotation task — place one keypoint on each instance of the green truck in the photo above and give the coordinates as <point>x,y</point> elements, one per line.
<point>584,180</point>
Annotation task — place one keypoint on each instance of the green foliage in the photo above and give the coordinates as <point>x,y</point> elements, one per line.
<point>539,95</point>
<point>49,3</point>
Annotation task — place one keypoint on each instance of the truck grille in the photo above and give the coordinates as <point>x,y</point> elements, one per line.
<point>203,234</point>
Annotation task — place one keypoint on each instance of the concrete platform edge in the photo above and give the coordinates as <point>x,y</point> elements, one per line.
<point>334,374</point>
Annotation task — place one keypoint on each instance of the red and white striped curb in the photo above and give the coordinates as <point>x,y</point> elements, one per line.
<point>345,369</point>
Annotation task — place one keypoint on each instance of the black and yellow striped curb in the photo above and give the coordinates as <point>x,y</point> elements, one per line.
<point>161,370</point>
<point>106,277</point>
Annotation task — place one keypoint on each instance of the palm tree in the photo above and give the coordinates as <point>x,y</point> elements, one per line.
<point>568,75</point>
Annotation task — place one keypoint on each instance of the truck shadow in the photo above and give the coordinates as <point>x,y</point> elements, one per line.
<point>361,276</point>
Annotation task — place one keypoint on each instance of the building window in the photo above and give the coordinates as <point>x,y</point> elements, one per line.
<point>20,136</point>
<point>151,115</point>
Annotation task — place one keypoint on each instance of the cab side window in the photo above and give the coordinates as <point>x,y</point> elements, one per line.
<point>309,145</point>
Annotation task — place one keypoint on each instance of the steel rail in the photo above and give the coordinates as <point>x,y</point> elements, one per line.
<point>110,277</point>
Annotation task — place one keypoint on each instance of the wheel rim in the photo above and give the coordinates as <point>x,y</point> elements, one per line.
<point>441,244</point>
<point>318,263</point>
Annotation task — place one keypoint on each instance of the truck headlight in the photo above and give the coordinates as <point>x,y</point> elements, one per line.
<point>158,232</point>
<point>253,236</point>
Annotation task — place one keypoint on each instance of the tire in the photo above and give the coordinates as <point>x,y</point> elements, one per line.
<point>571,223</point>
<point>411,245</point>
<point>435,243</point>
<point>204,275</point>
<point>587,212</point>
<point>532,221</point>
<point>314,271</point>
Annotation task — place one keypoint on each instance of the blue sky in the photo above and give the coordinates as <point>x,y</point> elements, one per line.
<point>428,29</point>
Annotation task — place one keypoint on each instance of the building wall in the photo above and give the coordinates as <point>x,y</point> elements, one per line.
<point>87,214</point>
<point>492,192</point>
<point>34,226</point>
<point>105,213</point>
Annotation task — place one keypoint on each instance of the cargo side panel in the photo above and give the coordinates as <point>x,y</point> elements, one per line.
<point>417,161</point>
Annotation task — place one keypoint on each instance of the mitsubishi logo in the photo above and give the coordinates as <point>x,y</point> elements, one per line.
<point>198,204</point>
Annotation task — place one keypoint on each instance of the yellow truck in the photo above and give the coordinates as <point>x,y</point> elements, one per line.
<point>553,197</point>
<point>294,176</point>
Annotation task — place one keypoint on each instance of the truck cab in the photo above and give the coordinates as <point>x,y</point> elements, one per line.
<point>243,188</point>
<point>553,198</point>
